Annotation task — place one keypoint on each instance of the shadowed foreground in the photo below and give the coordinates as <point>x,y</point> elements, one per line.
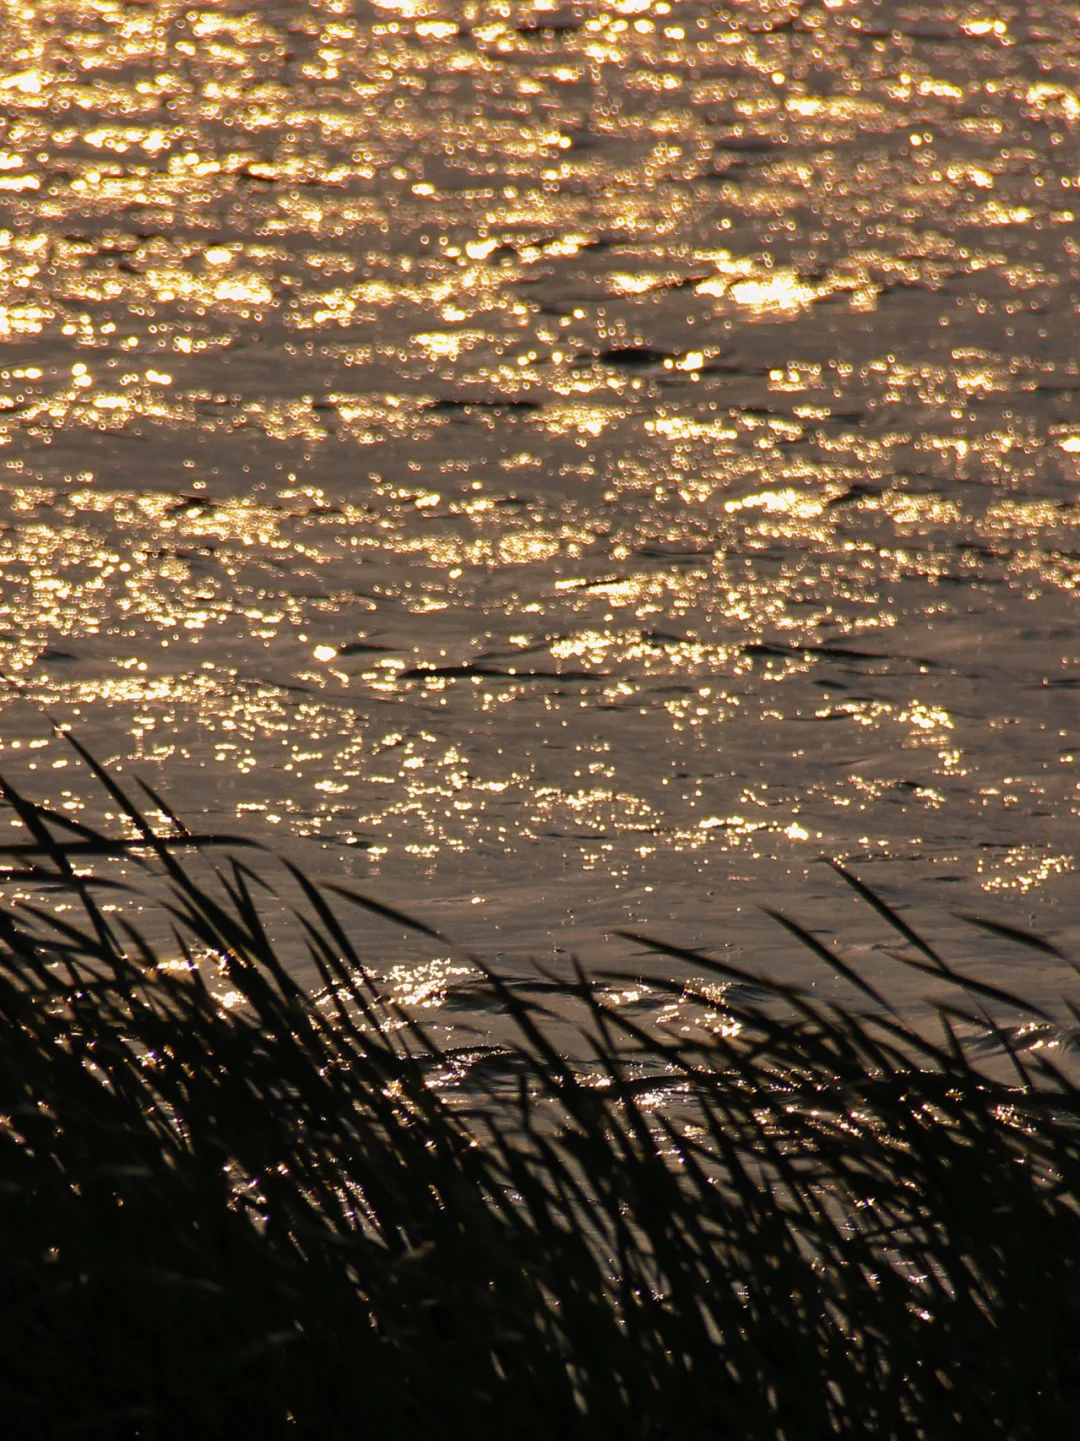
<point>262,1218</point>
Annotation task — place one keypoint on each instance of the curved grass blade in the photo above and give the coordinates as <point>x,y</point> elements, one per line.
<point>391,913</point>
<point>1013,933</point>
<point>105,846</point>
<point>977,988</point>
<point>163,806</point>
<point>888,914</point>
<point>830,959</point>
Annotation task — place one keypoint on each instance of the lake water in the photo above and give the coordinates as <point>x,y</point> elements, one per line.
<point>559,468</point>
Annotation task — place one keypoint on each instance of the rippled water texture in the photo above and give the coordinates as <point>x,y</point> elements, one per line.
<point>563,468</point>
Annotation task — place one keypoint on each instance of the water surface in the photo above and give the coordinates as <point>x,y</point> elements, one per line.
<point>560,467</point>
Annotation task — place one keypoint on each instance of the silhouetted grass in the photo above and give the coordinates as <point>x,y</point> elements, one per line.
<point>264,1219</point>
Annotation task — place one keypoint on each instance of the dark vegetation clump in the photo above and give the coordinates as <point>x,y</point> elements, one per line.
<point>265,1218</point>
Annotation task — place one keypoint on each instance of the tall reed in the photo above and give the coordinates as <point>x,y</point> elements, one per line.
<point>812,1220</point>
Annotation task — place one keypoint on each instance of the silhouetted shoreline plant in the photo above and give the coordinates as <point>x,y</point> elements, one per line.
<point>264,1218</point>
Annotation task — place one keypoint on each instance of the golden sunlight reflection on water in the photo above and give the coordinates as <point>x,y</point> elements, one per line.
<point>573,464</point>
